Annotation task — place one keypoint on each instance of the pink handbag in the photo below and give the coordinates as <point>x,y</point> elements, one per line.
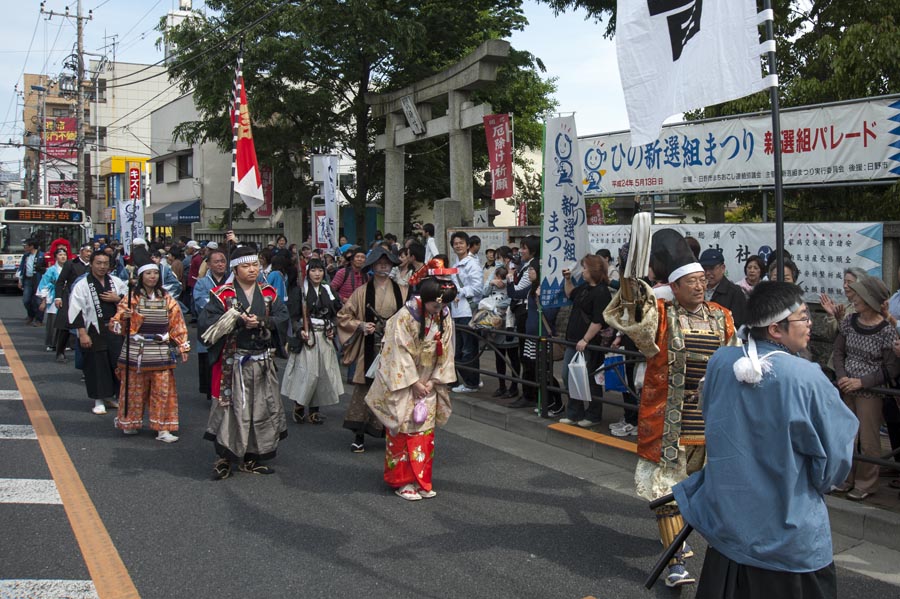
<point>420,412</point>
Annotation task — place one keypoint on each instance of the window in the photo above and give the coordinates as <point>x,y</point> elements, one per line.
<point>101,90</point>
<point>160,172</point>
<point>97,137</point>
<point>186,166</point>
<point>63,112</point>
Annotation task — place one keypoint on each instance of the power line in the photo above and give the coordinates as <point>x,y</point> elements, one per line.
<point>27,54</point>
<point>52,47</point>
<point>200,66</point>
<point>138,22</point>
<point>213,48</point>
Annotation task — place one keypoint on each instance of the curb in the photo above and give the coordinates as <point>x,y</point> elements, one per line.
<point>854,520</point>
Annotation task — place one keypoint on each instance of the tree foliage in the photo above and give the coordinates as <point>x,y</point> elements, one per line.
<point>827,51</point>
<point>309,65</point>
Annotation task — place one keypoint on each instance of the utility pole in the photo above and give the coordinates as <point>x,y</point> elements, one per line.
<point>79,102</point>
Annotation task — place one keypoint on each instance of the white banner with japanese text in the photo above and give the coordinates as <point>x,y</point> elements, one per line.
<point>328,233</point>
<point>821,250</point>
<point>680,55</point>
<point>564,238</point>
<point>829,144</point>
<point>130,217</point>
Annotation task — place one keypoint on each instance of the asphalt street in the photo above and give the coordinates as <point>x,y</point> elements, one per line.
<point>512,519</point>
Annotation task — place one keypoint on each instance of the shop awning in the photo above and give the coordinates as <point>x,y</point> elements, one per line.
<point>176,213</point>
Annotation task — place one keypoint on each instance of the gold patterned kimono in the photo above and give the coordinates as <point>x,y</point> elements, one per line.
<point>386,302</point>
<point>405,359</point>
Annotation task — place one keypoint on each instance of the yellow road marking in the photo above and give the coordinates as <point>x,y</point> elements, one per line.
<point>577,431</point>
<point>110,576</point>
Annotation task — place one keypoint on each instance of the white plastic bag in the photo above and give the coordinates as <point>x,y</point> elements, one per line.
<point>373,369</point>
<point>579,378</point>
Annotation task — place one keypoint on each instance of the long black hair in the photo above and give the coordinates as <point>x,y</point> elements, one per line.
<point>432,289</point>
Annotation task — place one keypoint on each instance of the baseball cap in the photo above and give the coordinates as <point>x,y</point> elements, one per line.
<point>193,244</point>
<point>212,245</point>
<point>711,257</point>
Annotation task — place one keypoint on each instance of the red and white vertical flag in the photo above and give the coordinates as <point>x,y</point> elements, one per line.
<point>245,168</point>
<point>498,131</point>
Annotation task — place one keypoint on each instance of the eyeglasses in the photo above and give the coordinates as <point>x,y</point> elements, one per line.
<point>805,319</point>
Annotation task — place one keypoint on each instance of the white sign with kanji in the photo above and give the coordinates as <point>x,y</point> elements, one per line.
<point>821,251</point>
<point>830,144</point>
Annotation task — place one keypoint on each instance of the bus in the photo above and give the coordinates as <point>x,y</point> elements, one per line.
<point>43,224</point>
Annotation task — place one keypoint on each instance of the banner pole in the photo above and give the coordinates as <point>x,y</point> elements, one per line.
<point>776,145</point>
<point>235,123</point>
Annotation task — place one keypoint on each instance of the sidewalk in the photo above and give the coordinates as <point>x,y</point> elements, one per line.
<point>876,520</point>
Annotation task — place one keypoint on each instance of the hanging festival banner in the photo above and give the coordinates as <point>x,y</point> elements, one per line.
<point>499,145</point>
<point>564,233</point>
<point>821,251</point>
<point>267,177</point>
<point>245,166</point>
<point>854,141</point>
<point>680,55</point>
<point>329,233</point>
<point>130,217</point>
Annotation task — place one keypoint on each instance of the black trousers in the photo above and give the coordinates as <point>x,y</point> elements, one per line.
<point>723,578</point>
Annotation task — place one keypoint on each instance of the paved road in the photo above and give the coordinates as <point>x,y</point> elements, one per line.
<point>512,518</point>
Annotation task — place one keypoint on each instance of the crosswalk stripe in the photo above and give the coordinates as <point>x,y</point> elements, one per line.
<point>10,394</point>
<point>17,431</point>
<point>47,589</point>
<point>29,490</point>
<point>104,564</point>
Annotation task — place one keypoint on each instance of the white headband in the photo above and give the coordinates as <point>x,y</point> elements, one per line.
<point>147,267</point>
<point>751,368</point>
<point>244,260</point>
<point>778,317</point>
<point>685,270</point>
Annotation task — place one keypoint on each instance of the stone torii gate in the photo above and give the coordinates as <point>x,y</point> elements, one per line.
<point>408,115</point>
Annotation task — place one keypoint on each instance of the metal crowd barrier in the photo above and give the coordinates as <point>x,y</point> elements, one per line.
<point>545,368</point>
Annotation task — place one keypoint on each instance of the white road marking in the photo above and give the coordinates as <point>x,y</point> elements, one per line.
<point>10,394</point>
<point>17,431</point>
<point>48,589</point>
<point>5,370</point>
<point>28,490</point>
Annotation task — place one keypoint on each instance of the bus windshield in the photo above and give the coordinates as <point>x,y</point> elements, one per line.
<point>13,235</point>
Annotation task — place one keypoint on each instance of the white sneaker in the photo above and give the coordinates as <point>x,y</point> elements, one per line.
<point>166,437</point>
<point>463,389</point>
<point>629,430</point>
<point>566,421</point>
<point>618,424</point>
<point>587,423</point>
<point>99,409</point>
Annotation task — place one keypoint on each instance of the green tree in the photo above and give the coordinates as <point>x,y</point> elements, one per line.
<point>827,52</point>
<point>308,67</point>
<point>529,189</point>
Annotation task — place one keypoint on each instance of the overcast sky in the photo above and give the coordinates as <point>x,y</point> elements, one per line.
<point>572,48</point>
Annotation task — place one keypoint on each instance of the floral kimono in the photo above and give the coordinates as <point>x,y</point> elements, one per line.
<point>407,357</point>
